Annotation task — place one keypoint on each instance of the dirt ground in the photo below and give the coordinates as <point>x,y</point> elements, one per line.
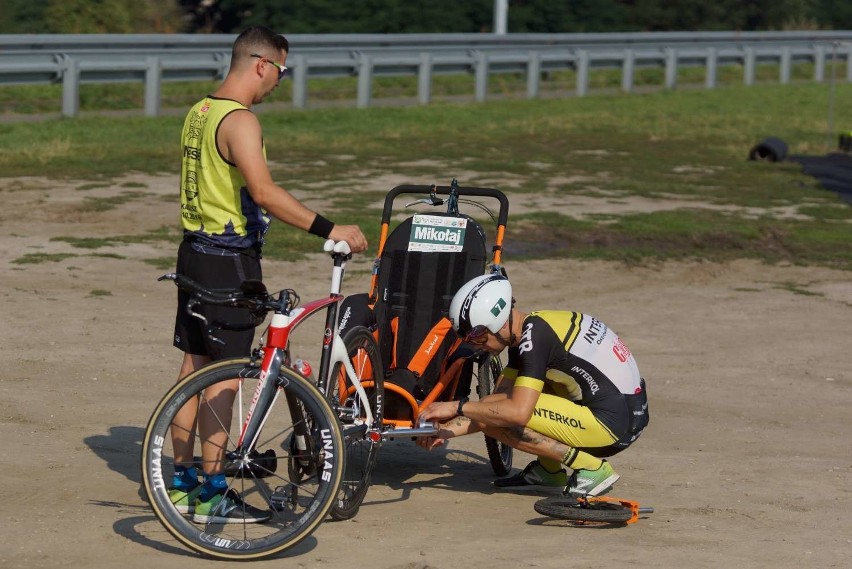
<point>747,460</point>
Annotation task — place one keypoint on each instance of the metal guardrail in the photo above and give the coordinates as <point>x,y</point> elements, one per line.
<point>153,59</point>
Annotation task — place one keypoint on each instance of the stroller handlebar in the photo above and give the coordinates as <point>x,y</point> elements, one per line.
<point>503,216</point>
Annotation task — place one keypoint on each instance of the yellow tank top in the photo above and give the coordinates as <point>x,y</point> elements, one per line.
<point>216,207</point>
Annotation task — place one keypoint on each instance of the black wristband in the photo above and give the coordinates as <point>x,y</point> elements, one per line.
<point>459,411</point>
<point>321,227</point>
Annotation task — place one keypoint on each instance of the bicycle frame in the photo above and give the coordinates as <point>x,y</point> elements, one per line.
<point>275,350</point>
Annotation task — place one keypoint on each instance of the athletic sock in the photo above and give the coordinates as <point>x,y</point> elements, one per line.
<point>185,478</point>
<point>579,460</point>
<point>550,465</point>
<point>213,484</point>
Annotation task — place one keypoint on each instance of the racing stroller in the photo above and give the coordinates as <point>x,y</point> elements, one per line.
<point>419,266</point>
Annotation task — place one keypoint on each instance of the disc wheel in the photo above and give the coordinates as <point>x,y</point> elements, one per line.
<point>567,508</point>
<point>499,454</point>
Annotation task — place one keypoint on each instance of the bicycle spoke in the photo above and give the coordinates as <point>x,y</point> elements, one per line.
<point>264,508</point>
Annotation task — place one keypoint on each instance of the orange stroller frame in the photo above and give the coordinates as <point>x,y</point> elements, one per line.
<point>419,259</point>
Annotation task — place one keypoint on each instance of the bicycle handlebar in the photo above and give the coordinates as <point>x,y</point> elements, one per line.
<point>251,295</point>
<point>336,248</point>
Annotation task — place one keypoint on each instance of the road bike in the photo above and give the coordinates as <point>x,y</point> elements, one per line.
<point>294,450</point>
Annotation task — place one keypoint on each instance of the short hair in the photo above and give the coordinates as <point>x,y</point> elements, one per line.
<point>257,39</point>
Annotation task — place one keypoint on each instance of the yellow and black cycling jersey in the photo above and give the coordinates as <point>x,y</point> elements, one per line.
<point>577,357</point>
<point>216,207</point>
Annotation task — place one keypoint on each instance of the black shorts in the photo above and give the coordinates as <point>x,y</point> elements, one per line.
<point>214,272</point>
<point>639,418</point>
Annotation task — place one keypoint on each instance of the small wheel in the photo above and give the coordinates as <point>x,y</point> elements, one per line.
<point>361,451</point>
<point>284,509</point>
<point>567,508</point>
<point>499,454</point>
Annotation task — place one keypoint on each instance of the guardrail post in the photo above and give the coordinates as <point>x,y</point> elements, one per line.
<point>365,81</point>
<point>671,68</point>
<point>711,72</point>
<point>785,66</point>
<point>819,63</point>
<point>749,59</point>
<point>424,79</point>
<point>582,65</point>
<point>153,78</point>
<point>848,58</point>
<point>628,65</point>
<point>481,85</point>
<point>224,60</point>
<point>533,74</point>
<point>71,88</point>
<point>300,81</point>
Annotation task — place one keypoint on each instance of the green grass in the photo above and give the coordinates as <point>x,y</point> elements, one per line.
<point>162,234</point>
<point>99,292</point>
<point>690,145</point>
<point>38,258</point>
<point>684,234</point>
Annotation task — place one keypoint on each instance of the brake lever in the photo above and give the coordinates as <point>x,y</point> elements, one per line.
<point>190,305</point>
<point>429,200</point>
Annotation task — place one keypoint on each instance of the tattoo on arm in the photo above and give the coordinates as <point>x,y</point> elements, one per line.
<point>532,437</point>
<point>523,434</point>
<point>515,433</point>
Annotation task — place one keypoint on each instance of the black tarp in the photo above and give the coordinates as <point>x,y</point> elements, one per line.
<point>833,171</point>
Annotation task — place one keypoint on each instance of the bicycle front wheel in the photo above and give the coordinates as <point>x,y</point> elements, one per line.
<point>360,437</point>
<point>268,510</point>
<point>568,508</point>
<point>499,454</point>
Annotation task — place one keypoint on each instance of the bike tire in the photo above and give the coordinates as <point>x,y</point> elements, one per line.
<point>296,507</point>
<point>361,450</point>
<point>499,454</point>
<point>567,508</point>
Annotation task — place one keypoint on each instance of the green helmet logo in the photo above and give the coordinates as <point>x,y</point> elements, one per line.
<point>498,307</point>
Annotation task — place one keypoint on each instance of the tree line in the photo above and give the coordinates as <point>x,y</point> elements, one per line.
<point>418,16</point>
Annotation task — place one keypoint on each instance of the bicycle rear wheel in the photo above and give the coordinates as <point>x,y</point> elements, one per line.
<point>499,454</point>
<point>568,508</point>
<point>360,438</point>
<point>295,507</point>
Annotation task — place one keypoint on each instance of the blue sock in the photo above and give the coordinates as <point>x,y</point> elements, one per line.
<point>185,478</point>
<point>213,484</point>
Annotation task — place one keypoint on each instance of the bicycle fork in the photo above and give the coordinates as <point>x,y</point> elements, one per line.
<point>266,393</point>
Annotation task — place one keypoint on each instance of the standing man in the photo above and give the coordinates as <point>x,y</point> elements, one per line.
<point>227,198</point>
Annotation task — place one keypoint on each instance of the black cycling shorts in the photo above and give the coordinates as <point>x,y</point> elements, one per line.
<point>212,271</point>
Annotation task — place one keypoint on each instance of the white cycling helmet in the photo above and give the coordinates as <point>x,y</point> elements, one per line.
<point>483,303</point>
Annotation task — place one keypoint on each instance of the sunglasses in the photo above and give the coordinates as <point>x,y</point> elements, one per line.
<point>282,70</point>
<point>476,335</point>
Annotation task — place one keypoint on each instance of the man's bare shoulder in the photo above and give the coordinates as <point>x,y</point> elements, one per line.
<point>240,119</point>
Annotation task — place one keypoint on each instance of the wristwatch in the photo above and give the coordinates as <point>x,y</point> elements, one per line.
<point>459,411</point>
